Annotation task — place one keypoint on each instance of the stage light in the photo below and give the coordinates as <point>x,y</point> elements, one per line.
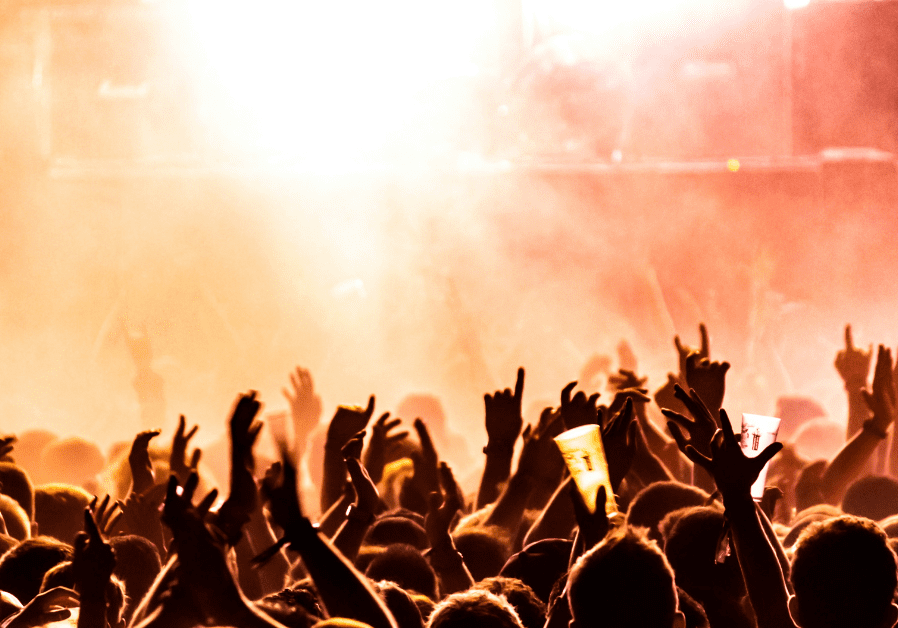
<point>328,81</point>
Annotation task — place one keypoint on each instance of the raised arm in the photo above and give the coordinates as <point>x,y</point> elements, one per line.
<point>852,461</point>
<point>344,591</point>
<point>504,421</point>
<point>734,474</point>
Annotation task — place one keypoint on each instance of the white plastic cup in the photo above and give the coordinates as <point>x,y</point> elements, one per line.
<point>584,455</point>
<point>758,432</point>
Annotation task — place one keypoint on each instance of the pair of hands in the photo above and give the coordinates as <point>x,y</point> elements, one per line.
<point>709,441</point>
<point>349,421</point>
<point>696,371</point>
<point>142,475</point>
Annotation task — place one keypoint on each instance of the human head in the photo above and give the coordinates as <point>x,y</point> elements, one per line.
<point>16,483</point>
<point>404,565</point>
<point>624,582</point>
<point>844,574</point>
<point>655,501</point>
<point>474,609</point>
<point>59,510</point>
<point>484,548</point>
<point>137,564</point>
<point>17,523</point>
<point>530,609</point>
<point>691,547</point>
<point>23,567</point>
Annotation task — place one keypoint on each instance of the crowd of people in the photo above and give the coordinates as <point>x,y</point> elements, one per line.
<point>147,535</point>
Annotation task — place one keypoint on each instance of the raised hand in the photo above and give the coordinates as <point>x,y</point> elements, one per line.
<point>852,363</point>
<point>503,417</point>
<point>883,400</point>
<point>243,496</point>
<point>106,515</point>
<point>698,432</point>
<point>347,422</point>
<point>708,379</point>
<point>305,405</point>
<point>578,410</point>
<point>383,445</point>
<point>426,478</point>
<point>442,507</point>
<point>140,515</point>
<point>540,458</point>
<point>684,351</point>
<point>732,470</point>
<point>142,476</point>
<point>353,447</point>
<point>626,379</point>
<point>593,526</point>
<point>619,442</point>
<point>177,462</point>
<point>47,607</point>
<point>367,499</point>
<point>280,490</point>
<point>93,562</point>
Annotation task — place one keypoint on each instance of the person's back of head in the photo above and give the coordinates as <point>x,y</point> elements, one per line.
<point>655,501</point>
<point>137,564</point>
<point>623,582</point>
<point>873,497</point>
<point>540,565</point>
<point>22,568</point>
<point>485,549</point>
<point>691,547</point>
<point>474,609</point>
<point>18,525</point>
<point>407,567</point>
<point>59,510</point>
<point>14,481</point>
<point>530,609</point>
<point>400,604</point>
<point>844,574</point>
<point>390,530</point>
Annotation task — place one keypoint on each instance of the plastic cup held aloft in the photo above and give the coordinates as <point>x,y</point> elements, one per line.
<point>584,455</point>
<point>758,432</point>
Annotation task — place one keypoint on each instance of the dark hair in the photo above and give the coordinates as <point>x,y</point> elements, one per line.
<point>137,564</point>
<point>16,483</point>
<point>691,548</point>
<point>18,525</point>
<point>474,609</point>
<point>484,549</point>
<point>401,604</point>
<point>655,501</point>
<point>843,573</point>
<point>404,565</point>
<point>397,529</point>
<point>540,565</point>
<point>59,510</point>
<point>624,581</point>
<point>23,567</point>
<point>530,609</point>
